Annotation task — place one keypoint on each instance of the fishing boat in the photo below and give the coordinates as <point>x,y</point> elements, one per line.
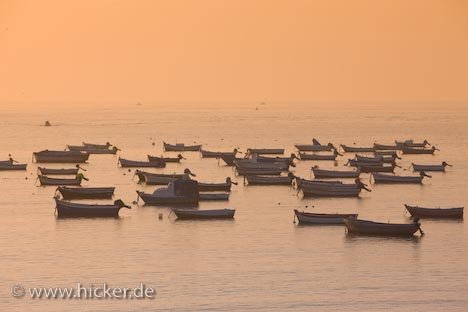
<point>440,167</point>
<point>357,163</point>
<point>322,218</point>
<point>47,156</point>
<point>53,171</point>
<point>356,149</point>
<point>324,174</point>
<point>165,159</point>
<point>383,147</point>
<point>45,180</point>
<point>267,159</point>
<point>254,164</point>
<point>314,148</point>
<point>97,146</point>
<point>262,151</point>
<point>181,147</point>
<point>413,150</point>
<point>225,187</point>
<point>365,227</point>
<point>394,154</point>
<point>368,168</point>
<point>7,165</point>
<point>204,214</point>
<point>157,178</point>
<point>269,180</point>
<point>90,150</point>
<point>125,163</point>
<point>442,213</point>
<point>67,209</point>
<point>7,162</point>
<point>86,192</point>
<point>411,143</point>
<point>213,196</point>
<point>391,178</point>
<point>177,192</point>
<point>330,188</point>
<point>258,171</point>
<point>208,154</point>
<point>305,156</point>
<point>375,159</point>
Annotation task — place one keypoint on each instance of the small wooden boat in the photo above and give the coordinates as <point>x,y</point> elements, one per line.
<point>305,156</point>
<point>181,147</point>
<point>365,227</point>
<point>357,163</point>
<point>45,180</point>
<point>6,165</point>
<point>225,187</point>
<point>97,146</point>
<point>325,174</point>
<point>53,171</point>
<point>314,148</point>
<point>89,150</point>
<point>208,154</point>
<point>157,178</point>
<point>355,149</point>
<point>368,168</point>
<point>165,159</point>
<point>384,147</point>
<point>269,180</point>
<point>253,164</point>
<point>86,192</point>
<point>7,162</point>
<point>67,209</point>
<point>394,154</point>
<point>376,159</point>
<point>204,214</point>
<point>177,192</point>
<point>258,171</point>
<point>125,163</point>
<point>412,150</point>
<point>411,143</point>
<point>440,167</point>
<point>267,159</point>
<point>271,151</point>
<point>442,213</point>
<point>214,196</point>
<point>391,178</point>
<point>322,218</point>
<point>47,156</point>
<point>330,188</point>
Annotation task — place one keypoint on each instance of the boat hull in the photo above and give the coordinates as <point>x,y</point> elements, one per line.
<point>51,171</point>
<point>12,167</point>
<point>383,229</point>
<point>186,214</point>
<point>60,157</point>
<point>321,218</point>
<point>268,180</point>
<point>326,174</point>
<point>151,200</point>
<point>312,148</point>
<point>387,178</point>
<point>436,213</point>
<point>56,181</point>
<point>353,149</point>
<point>214,196</point>
<point>125,163</point>
<point>65,209</point>
<point>86,192</point>
<point>181,148</point>
<point>428,167</point>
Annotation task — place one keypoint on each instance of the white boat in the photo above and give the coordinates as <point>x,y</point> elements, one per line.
<point>204,214</point>
<point>392,178</point>
<point>440,167</point>
<point>322,218</point>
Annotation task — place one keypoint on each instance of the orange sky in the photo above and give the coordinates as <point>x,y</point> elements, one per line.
<point>54,51</point>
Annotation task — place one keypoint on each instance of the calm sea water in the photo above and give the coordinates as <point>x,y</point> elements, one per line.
<point>261,261</point>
